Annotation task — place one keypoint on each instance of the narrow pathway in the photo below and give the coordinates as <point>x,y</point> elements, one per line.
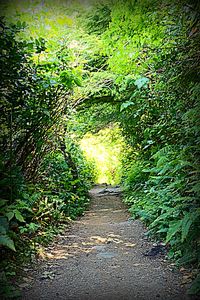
<point>102,258</point>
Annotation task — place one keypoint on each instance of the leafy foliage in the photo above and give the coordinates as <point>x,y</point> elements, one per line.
<point>130,63</point>
<point>44,177</point>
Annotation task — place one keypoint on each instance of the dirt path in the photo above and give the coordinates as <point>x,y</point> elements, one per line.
<point>102,258</point>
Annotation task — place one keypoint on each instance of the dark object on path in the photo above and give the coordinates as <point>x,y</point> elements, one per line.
<point>111,191</point>
<point>156,250</point>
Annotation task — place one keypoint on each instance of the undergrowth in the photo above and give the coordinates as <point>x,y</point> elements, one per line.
<point>164,194</point>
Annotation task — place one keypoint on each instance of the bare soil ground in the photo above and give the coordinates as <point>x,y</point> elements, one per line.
<point>101,257</point>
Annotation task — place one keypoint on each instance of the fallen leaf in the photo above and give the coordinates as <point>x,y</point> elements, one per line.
<point>26,269</point>
<point>23,285</point>
<point>130,245</point>
<point>98,239</point>
<point>48,275</point>
<point>182,269</point>
<point>186,279</point>
<point>27,279</point>
<point>49,255</point>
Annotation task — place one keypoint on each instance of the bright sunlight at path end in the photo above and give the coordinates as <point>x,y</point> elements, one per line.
<point>102,257</point>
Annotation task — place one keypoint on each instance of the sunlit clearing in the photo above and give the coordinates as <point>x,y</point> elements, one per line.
<point>105,150</point>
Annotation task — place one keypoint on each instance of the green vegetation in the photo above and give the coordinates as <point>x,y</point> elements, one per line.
<point>44,176</point>
<point>105,149</point>
<point>122,74</point>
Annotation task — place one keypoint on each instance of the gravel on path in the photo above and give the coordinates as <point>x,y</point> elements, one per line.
<point>102,257</point>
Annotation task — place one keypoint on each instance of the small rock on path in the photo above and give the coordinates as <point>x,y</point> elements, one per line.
<point>102,258</point>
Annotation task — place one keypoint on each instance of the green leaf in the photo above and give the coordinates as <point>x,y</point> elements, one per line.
<point>10,215</point>
<point>187,221</point>
<point>19,216</point>
<point>46,112</point>
<point>77,81</point>
<point>33,227</point>
<point>142,82</point>
<point>161,217</point>
<point>125,105</point>
<point>6,241</point>
<point>3,202</point>
<point>174,227</point>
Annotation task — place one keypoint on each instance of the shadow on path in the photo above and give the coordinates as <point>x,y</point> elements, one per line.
<point>102,257</point>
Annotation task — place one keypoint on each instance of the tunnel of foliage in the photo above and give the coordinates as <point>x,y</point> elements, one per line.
<point>76,68</point>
